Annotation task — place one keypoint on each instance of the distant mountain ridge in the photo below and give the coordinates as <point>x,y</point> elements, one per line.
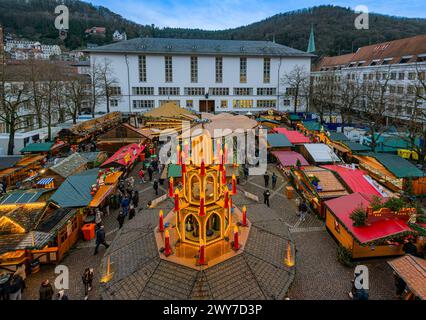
<point>333,26</point>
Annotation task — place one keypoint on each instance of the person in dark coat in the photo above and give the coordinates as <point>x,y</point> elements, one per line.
<point>5,286</point>
<point>150,172</point>
<point>246,173</point>
<point>155,186</point>
<point>46,290</point>
<point>274,180</point>
<point>410,248</point>
<point>87,281</point>
<point>15,287</point>
<point>266,179</point>
<point>135,198</point>
<point>100,239</point>
<point>120,219</point>
<point>266,195</point>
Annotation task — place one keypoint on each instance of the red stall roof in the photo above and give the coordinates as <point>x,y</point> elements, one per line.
<point>354,178</point>
<point>342,208</point>
<point>124,156</point>
<point>295,137</point>
<point>289,158</point>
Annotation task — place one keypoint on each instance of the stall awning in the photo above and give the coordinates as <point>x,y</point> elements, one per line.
<point>113,177</point>
<point>44,181</point>
<point>103,192</point>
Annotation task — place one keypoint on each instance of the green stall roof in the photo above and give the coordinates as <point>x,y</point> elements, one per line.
<point>278,140</point>
<point>312,125</point>
<point>338,136</point>
<point>174,171</point>
<point>267,120</point>
<point>38,147</point>
<point>400,167</point>
<point>74,192</point>
<point>356,147</point>
<point>294,117</point>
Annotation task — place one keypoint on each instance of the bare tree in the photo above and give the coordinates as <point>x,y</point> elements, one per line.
<point>76,93</point>
<point>324,93</point>
<point>297,85</point>
<point>380,105</point>
<point>96,85</point>
<point>13,97</point>
<point>106,82</point>
<point>348,95</point>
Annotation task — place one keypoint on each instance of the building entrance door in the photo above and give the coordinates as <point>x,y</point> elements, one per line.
<point>207,106</point>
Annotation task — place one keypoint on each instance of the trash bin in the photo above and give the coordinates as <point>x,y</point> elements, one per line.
<point>88,231</point>
<point>142,156</point>
<point>35,266</point>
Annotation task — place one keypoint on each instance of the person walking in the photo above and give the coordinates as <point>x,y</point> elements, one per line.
<point>100,239</point>
<point>120,219</point>
<point>297,207</point>
<point>246,173</point>
<point>141,174</point>
<point>266,195</point>
<point>266,179</point>
<point>132,211</point>
<point>46,291</point>
<point>21,271</point>
<point>87,278</point>
<point>135,198</point>
<point>155,186</point>
<point>125,205</point>
<point>274,180</point>
<point>150,172</point>
<point>61,295</point>
<point>303,211</point>
<point>15,287</point>
<point>98,217</point>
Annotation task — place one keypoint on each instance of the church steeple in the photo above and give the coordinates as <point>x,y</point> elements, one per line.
<point>311,45</point>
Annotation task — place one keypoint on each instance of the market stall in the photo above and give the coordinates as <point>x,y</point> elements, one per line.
<point>24,168</point>
<point>125,157</point>
<point>295,137</point>
<point>119,137</point>
<point>375,233</point>
<point>288,159</point>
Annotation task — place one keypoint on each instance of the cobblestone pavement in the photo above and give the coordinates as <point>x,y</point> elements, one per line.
<point>318,273</point>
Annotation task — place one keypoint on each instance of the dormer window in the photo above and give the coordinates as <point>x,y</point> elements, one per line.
<point>352,64</point>
<point>405,59</point>
<point>421,57</point>
<point>387,61</point>
<point>374,62</point>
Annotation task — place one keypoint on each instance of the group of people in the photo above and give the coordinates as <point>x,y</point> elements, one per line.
<point>129,200</point>
<point>12,285</point>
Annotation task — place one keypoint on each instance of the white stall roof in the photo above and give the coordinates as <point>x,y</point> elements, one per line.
<point>321,153</point>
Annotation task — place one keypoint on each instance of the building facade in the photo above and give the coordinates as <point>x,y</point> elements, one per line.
<point>396,67</point>
<point>201,75</point>
<point>24,50</point>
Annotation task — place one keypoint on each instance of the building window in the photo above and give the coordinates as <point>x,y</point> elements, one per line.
<point>168,91</point>
<point>190,104</point>
<point>290,91</point>
<point>143,91</point>
<point>194,91</point>
<point>223,104</point>
<point>267,103</point>
<point>168,63</point>
<point>422,75</point>
<point>115,91</point>
<point>400,90</point>
<point>401,76</point>
<point>411,76</point>
<point>393,76</point>
<point>219,91</point>
<point>176,102</point>
<point>266,70</point>
<point>194,69</point>
<point>143,104</point>
<point>266,91</point>
<point>219,69</point>
<point>243,70</point>
<point>242,103</point>
<point>243,91</point>
<point>142,69</point>
<point>392,89</point>
<point>113,102</point>
<point>286,102</point>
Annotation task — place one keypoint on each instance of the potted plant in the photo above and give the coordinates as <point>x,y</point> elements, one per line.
<point>359,217</point>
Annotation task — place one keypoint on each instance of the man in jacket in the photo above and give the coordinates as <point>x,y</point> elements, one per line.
<point>100,239</point>
<point>46,290</point>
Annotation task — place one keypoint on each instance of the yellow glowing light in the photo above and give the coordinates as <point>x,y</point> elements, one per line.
<point>236,229</point>
<point>161,213</point>
<point>166,233</point>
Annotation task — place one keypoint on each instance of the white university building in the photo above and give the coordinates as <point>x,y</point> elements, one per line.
<point>202,75</point>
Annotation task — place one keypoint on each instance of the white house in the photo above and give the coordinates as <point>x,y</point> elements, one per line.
<point>202,75</point>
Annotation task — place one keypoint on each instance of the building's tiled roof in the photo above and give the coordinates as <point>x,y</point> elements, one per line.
<point>23,196</point>
<point>413,271</point>
<point>22,241</point>
<point>410,48</point>
<point>23,216</point>
<point>200,47</point>
<point>38,147</point>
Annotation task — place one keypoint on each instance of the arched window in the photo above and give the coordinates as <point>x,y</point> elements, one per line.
<point>213,227</point>
<point>192,229</point>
